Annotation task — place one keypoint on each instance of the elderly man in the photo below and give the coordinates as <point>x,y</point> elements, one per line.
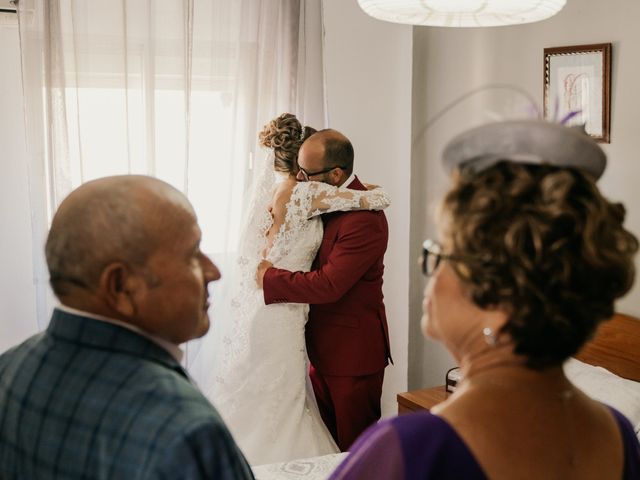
<point>101,393</point>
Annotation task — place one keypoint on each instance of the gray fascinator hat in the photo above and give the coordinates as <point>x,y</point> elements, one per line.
<point>525,141</point>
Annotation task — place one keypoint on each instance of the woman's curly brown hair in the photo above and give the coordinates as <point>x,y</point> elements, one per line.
<point>285,135</point>
<point>545,243</point>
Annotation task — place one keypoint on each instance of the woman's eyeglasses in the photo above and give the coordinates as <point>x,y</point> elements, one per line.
<point>431,257</point>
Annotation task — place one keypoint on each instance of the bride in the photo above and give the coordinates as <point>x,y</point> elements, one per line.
<point>261,383</point>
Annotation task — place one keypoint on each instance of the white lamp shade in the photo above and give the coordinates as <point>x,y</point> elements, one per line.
<point>461,13</point>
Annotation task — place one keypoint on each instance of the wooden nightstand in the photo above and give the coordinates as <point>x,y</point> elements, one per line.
<point>423,399</point>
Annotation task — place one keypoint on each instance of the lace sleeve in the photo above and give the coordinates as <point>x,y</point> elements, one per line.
<point>310,199</point>
<point>324,198</point>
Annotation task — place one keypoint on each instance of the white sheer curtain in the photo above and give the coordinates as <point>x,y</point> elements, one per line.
<point>177,89</point>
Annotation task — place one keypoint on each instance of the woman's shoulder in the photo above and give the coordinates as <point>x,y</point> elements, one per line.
<point>424,429</point>
<point>305,192</point>
<point>407,430</point>
<point>285,186</point>
<point>415,445</point>
<point>624,424</point>
<point>282,192</point>
<point>631,445</point>
<point>418,422</point>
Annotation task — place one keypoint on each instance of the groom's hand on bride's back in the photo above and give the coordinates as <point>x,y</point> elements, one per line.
<point>263,266</point>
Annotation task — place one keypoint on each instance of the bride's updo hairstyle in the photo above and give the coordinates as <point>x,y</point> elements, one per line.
<point>537,239</point>
<point>285,135</point>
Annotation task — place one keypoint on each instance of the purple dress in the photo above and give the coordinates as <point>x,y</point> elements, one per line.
<point>423,446</point>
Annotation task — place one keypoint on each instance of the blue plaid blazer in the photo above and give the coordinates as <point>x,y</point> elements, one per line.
<point>90,400</point>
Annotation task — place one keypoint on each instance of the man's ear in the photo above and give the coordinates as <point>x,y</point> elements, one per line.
<point>120,285</point>
<point>336,177</point>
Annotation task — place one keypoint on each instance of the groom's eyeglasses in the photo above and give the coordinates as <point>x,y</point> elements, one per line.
<point>306,174</point>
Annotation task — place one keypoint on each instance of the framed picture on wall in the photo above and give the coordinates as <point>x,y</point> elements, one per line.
<point>577,86</point>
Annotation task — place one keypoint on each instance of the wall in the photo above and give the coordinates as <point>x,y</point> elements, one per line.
<point>368,87</point>
<point>450,62</point>
<point>17,291</point>
<point>368,91</point>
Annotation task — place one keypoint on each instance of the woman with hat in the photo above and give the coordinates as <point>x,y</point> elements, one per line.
<point>531,258</point>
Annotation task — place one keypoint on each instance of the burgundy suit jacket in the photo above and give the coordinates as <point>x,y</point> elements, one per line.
<point>347,333</point>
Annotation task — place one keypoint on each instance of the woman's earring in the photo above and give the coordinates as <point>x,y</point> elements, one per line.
<point>489,336</point>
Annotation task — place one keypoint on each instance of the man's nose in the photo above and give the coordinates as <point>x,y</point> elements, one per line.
<point>211,272</point>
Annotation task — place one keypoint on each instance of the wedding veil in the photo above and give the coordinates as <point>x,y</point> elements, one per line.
<point>231,342</point>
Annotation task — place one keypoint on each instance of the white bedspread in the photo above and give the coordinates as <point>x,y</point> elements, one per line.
<point>315,468</point>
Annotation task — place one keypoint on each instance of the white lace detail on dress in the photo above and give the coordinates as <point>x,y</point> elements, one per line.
<point>311,199</point>
<point>262,388</point>
<point>257,221</point>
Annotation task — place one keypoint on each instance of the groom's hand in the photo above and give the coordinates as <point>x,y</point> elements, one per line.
<point>263,266</point>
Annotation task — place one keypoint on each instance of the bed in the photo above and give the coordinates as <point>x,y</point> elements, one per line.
<point>316,468</point>
<point>616,347</point>
<point>608,367</point>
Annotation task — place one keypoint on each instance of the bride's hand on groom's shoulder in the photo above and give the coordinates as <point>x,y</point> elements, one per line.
<point>263,266</point>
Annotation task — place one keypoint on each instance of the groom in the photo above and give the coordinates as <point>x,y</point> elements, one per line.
<point>347,335</point>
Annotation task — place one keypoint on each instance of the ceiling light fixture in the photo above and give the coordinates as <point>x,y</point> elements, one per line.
<point>461,13</point>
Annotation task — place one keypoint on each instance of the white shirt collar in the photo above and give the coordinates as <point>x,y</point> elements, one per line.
<point>173,349</point>
<point>351,178</point>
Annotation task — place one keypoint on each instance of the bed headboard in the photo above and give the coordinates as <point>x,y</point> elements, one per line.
<point>616,347</point>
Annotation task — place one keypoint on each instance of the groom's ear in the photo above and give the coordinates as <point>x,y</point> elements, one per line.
<point>337,177</point>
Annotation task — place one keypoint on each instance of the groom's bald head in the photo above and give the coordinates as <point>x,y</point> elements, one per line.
<point>326,156</point>
<point>337,149</point>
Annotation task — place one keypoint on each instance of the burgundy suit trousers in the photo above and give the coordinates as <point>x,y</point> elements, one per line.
<point>348,405</point>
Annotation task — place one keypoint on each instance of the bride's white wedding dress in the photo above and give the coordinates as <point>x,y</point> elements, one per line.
<point>261,386</point>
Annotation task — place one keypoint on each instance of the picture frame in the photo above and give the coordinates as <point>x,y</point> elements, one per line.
<point>577,83</point>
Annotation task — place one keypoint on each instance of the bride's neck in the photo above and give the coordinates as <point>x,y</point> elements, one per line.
<point>281,176</point>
